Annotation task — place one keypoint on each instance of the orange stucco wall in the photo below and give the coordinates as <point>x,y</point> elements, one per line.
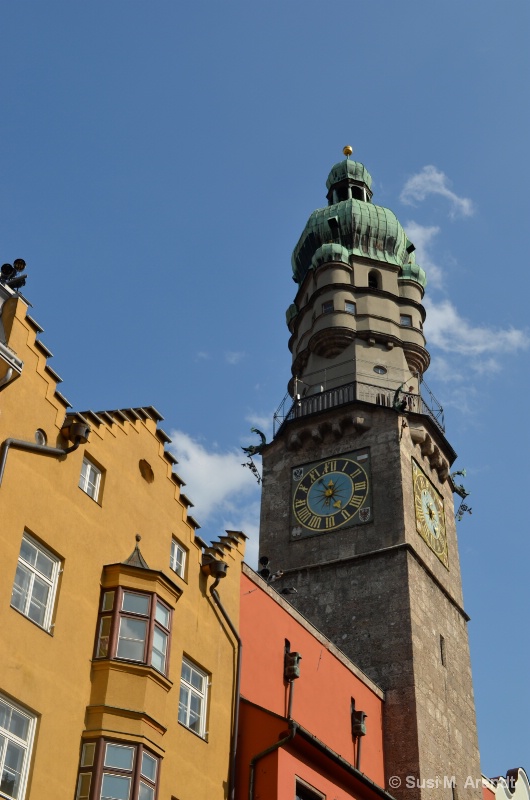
<point>487,793</point>
<point>323,693</point>
<point>258,731</point>
<point>277,771</point>
<point>291,768</point>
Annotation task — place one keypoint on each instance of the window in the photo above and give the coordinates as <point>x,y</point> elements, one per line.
<point>373,279</point>
<point>305,792</point>
<point>193,696</point>
<point>90,480</point>
<point>134,627</point>
<point>379,369</point>
<point>405,319</point>
<point>119,770</point>
<point>177,560</point>
<point>350,307</point>
<point>327,307</point>
<point>35,582</point>
<point>16,740</point>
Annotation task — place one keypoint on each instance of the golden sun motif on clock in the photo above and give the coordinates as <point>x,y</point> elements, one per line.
<point>430,517</point>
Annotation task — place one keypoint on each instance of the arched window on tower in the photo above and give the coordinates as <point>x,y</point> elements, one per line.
<point>374,279</point>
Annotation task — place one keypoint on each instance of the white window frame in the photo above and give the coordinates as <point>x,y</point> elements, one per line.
<point>91,487</point>
<point>177,564</point>
<point>11,738</point>
<point>192,691</point>
<point>36,575</point>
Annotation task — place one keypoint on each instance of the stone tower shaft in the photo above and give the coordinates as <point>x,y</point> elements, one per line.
<point>357,506</point>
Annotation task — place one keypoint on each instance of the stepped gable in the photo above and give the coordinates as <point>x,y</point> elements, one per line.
<point>229,547</point>
<point>45,369</point>
<point>105,420</point>
<point>146,415</point>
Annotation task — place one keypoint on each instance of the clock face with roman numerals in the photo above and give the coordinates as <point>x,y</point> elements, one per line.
<point>430,518</point>
<point>331,494</point>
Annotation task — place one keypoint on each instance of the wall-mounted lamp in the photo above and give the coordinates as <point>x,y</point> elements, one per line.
<point>214,567</point>
<point>291,666</point>
<point>76,432</point>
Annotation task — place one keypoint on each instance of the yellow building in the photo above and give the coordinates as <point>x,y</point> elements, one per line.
<point>119,664</point>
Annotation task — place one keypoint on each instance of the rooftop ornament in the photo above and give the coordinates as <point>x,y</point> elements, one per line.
<point>348,150</point>
<point>10,274</point>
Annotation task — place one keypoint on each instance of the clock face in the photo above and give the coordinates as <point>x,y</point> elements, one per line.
<point>430,518</point>
<point>331,494</point>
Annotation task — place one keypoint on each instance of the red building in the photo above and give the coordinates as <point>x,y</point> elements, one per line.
<point>310,720</point>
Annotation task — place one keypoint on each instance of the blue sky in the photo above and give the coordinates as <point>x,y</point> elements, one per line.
<point>158,163</point>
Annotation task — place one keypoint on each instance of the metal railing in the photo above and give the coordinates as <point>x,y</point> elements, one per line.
<point>423,403</point>
<point>431,407</point>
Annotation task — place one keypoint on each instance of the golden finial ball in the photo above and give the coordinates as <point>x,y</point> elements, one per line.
<point>348,150</point>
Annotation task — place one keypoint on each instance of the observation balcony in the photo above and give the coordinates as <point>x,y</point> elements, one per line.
<point>422,403</point>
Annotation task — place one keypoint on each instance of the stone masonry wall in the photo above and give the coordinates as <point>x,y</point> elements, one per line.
<point>381,595</point>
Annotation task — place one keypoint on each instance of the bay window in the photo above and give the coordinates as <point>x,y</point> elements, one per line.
<point>118,770</point>
<point>134,626</point>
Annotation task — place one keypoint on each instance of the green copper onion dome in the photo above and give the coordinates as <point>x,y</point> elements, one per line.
<point>329,253</point>
<point>413,272</point>
<point>351,225</point>
<point>348,169</point>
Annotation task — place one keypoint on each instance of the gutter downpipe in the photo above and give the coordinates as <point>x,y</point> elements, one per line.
<point>32,447</point>
<point>291,690</point>
<point>237,690</point>
<point>293,729</point>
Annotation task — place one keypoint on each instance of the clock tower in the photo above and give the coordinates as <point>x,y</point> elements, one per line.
<point>357,504</point>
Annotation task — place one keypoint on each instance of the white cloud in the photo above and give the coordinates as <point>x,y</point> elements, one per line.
<point>225,494</point>
<point>447,330</point>
<point>202,356</point>
<point>214,481</point>
<point>422,237</point>
<point>432,181</point>
<point>232,357</point>
<point>443,370</point>
<point>247,520</point>
<point>487,366</point>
